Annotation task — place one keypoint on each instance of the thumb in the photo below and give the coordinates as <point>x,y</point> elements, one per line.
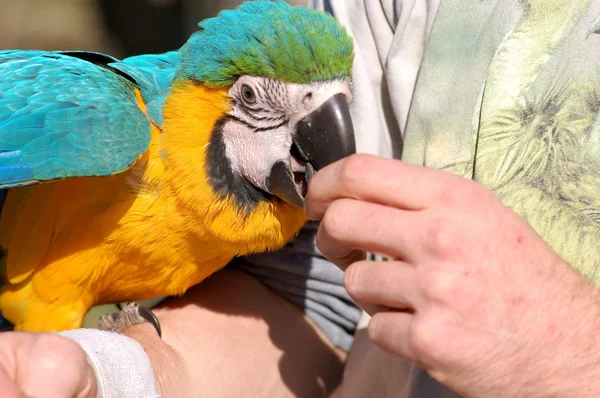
<point>47,365</point>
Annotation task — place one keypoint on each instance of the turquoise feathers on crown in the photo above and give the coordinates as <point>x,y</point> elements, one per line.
<point>270,39</point>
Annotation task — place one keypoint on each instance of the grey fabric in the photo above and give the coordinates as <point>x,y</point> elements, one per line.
<point>300,273</point>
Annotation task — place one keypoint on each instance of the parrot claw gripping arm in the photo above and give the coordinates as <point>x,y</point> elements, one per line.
<point>131,314</point>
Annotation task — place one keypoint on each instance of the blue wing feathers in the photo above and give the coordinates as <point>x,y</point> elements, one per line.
<point>63,116</point>
<point>155,73</point>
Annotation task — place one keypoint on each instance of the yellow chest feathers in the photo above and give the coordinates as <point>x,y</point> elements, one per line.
<point>191,113</point>
<point>161,216</point>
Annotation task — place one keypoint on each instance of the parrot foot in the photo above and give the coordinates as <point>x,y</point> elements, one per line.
<point>131,314</point>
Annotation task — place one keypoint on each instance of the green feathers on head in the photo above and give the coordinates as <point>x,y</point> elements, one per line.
<point>270,39</point>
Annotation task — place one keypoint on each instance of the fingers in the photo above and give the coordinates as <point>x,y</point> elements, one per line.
<point>351,226</point>
<point>52,366</point>
<point>383,285</point>
<point>378,180</point>
<point>392,331</point>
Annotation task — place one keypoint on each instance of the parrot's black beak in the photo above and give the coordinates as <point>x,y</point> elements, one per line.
<point>321,138</point>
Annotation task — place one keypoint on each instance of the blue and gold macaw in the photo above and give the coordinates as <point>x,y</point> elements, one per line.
<point>139,178</point>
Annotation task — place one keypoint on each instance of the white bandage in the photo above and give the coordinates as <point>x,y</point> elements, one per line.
<point>121,365</point>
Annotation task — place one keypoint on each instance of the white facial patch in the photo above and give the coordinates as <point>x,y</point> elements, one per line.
<point>253,154</point>
<point>263,119</point>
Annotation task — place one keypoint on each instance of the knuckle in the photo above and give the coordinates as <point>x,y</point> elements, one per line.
<point>425,341</point>
<point>335,220</point>
<point>353,280</point>
<point>440,287</point>
<point>51,351</point>
<point>51,364</point>
<point>353,169</point>
<point>442,237</point>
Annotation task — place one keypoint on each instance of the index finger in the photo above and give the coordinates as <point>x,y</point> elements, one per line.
<point>378,180</point>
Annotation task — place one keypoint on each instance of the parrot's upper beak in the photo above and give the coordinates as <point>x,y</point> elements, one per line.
<point>321,138</point>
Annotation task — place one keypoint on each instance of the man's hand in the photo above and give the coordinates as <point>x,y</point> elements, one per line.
<point>473,294</point>
<point>43,365</point>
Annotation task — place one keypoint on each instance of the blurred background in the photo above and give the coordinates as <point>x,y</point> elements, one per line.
<point>118,27</point>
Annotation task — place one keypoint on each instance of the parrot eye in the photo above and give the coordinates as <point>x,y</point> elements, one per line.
<point>248,94</point>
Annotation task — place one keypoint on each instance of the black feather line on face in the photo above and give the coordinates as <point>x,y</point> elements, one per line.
<point>224,181</point>
<point>269,118</point>
<point>278,122</point>
<point>272,127</point>
<point>238,120</point>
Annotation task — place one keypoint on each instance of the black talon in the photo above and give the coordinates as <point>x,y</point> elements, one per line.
<point>150,317</point>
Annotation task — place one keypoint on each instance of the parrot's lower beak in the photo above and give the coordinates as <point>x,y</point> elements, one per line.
<point>321,138</point>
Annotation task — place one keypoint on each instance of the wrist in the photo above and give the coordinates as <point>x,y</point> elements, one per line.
<point>570,361</point>
<point>166,362</point>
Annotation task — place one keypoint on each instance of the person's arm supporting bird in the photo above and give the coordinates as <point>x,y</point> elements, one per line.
<point>231,336</point>
<point>471,293</point>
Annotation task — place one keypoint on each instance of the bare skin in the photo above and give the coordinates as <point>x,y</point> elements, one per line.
<point>43,365</point>
<point>231,336</point>
<point>472,294</point>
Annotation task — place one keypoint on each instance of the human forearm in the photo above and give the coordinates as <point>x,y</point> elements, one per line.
<point>171,378</point>
<point>231,336</point>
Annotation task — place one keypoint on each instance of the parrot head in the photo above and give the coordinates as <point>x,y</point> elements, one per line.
<point>271,84</point>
